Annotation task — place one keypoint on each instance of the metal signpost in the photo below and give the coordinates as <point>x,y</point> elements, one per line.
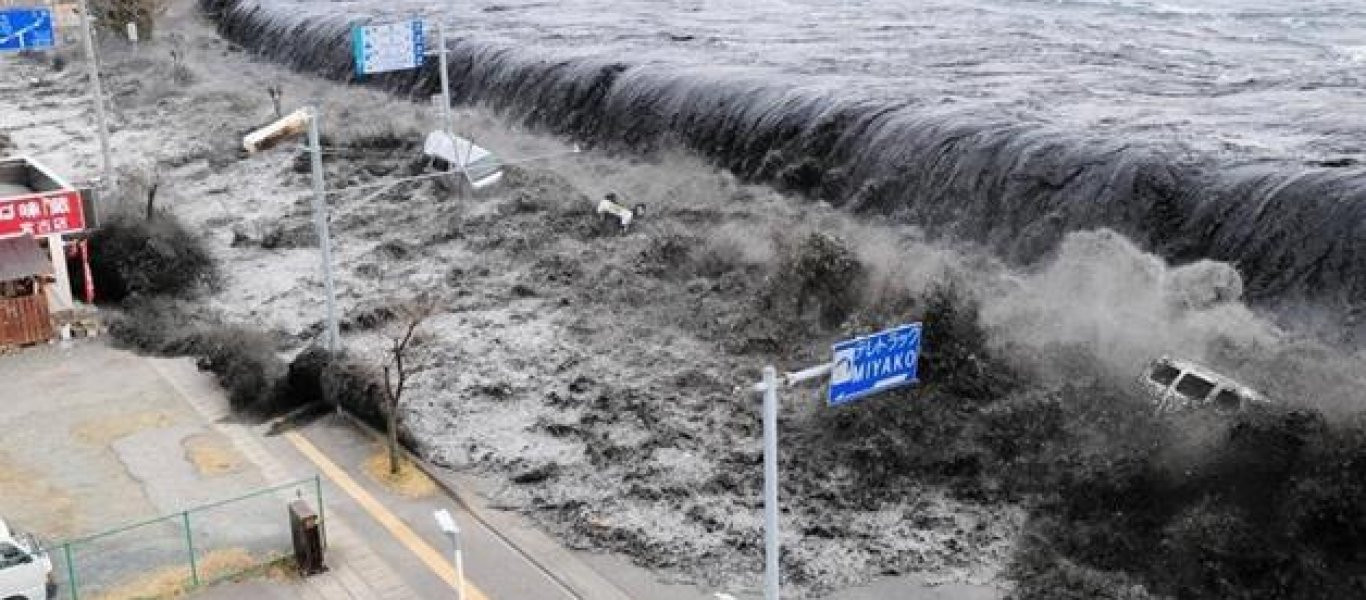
<point>446,118</point>
<point>402,46</point>
<point>860,367</point>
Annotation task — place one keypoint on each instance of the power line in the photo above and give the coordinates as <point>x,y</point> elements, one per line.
<point>393,182</point>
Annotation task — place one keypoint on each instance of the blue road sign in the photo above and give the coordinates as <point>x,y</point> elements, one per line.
<point>874,363</point>
<point>26,28</point>
<point>389,47</point>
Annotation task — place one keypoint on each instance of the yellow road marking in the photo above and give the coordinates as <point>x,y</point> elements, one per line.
<point>397,528</point>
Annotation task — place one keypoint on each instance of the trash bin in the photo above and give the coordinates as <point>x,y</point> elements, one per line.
<point>306,533</point>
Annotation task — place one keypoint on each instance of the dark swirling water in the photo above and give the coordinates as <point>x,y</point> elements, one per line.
<point>1200,128</point>
<point>1280,77</point>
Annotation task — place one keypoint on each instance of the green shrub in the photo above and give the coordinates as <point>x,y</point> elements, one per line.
<point>316,375</point>
<point>130,255</point>
<point>243,360</point>
<point>1125,504</point>
<point>955,356</point>
<point>818,272</point>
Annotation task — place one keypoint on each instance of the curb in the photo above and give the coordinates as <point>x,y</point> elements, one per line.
<point>576,578</point>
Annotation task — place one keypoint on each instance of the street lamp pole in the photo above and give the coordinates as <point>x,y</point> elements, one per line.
<point>448,526</point>
<point>270,135</point>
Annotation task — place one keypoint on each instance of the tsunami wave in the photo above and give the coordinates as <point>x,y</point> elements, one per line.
<point>1295,232</point>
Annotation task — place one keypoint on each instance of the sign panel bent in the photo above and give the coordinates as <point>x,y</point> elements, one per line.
<point>874,363</point>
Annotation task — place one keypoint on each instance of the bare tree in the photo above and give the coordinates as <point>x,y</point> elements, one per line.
<point>399,365</point>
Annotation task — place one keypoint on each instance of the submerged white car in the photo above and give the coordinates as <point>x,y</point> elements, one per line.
<point>1176,385</point>
<point>25,568</point>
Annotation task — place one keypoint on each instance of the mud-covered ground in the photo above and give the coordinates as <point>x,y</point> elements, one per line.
<point>595,370</point>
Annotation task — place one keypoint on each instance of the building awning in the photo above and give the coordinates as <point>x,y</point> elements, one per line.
<point>21,258</point>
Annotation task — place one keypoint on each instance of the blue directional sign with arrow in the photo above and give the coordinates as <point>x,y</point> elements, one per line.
<point>26,28</point>
<point>874,363</point>
<point>389,47</point>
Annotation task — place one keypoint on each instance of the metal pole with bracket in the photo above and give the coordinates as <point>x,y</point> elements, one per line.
<point>447,120</point>
<point>771,483</point>
<point>769,388</point>
<point>332,331</point>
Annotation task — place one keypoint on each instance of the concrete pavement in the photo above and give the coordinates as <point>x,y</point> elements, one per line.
<point>163,439</point>
<point>356,570</point>
<point>383,544</point>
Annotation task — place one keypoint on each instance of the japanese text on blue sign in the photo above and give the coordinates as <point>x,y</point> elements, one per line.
<point>874,363</point>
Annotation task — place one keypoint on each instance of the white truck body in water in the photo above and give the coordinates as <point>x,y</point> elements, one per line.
<point>1176,385</point>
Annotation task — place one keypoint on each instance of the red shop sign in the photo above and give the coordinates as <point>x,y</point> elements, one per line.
<point>42,214</point>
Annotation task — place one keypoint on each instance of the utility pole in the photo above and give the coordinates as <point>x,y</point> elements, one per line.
<point>332,331</point>
<point>97,96</point>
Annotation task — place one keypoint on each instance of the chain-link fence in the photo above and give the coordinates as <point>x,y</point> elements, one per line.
<point>167,555</point>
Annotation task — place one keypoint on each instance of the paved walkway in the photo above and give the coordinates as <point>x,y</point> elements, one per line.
<point>383,545</point>
<point>355,570</point>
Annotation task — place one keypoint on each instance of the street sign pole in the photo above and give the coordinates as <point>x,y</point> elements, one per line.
<point>446,119</point>
<point>332,331</point>
<point>861,367</point>
<point>770,483</point>
<point>97,96</point>
<point>769,387</point>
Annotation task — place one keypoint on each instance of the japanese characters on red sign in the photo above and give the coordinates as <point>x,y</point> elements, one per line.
<point>41,214</point>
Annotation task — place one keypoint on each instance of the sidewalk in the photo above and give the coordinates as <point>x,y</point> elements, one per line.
<point>383,545</point>
<point>356,571</point>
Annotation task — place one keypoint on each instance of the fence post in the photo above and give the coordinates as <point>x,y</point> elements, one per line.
<point>70,570</point>
<point>322,518</point>
<point>189,543</point>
